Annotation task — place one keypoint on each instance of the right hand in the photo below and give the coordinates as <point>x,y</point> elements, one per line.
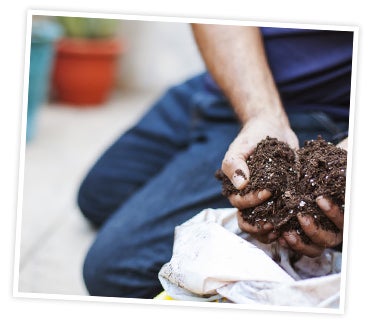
<point>234,162</point>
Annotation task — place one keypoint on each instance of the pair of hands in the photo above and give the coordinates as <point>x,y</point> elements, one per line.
<point>241,148</point>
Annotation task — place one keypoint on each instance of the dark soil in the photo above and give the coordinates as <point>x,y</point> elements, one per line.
<point>295,179</point>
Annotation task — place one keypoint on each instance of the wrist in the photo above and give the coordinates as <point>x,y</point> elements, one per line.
<point>260,105</point>
<point>274,114</point>
<point>273,124</point>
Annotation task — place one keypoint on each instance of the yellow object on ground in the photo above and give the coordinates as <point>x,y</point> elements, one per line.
<point>163,296</point>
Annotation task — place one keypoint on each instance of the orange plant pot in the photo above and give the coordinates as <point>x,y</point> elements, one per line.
<point>85,70</point>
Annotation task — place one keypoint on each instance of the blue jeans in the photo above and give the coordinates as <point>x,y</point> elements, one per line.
<point>157,175</point>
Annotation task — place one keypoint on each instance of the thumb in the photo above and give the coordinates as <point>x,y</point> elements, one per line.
<point>236,169</point>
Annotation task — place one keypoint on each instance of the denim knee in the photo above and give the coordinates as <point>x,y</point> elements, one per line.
<point>88,202</point>
<point>93,274</point>
<point>96,198</point>
<point>117,278</point>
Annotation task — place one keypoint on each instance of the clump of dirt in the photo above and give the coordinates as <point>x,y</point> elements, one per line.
<point>295,179</point>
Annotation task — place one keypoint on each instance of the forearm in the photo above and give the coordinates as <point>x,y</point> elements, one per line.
<point>235,57</point>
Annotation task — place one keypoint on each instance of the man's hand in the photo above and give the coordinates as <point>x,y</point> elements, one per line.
<point>236,58</point>
<point>234,163</point>
<point>320,238</point>
<point>242,147</point>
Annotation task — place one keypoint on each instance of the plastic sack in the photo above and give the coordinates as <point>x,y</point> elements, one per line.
<point>213,260</point>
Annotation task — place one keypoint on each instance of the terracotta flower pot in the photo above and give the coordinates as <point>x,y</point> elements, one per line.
<point>85,70</point>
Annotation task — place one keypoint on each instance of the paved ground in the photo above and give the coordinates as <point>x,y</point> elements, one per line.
<point>54,235</point>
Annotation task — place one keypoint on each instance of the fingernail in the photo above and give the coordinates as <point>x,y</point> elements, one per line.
<point>291,239</point>
<point>324,204</point>
<point>238,181</point>
<point>305,220</point>
<point>267,226</point>
<point>262,194</point>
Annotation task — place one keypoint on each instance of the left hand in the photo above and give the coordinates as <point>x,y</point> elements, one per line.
<point>320,238</point>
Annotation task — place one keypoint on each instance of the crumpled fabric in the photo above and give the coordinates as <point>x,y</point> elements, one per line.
<point>213,260</point>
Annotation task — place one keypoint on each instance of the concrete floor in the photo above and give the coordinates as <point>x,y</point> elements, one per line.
<point>54,235</point>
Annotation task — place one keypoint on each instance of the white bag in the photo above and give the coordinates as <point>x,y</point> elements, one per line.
<point>212,259</point>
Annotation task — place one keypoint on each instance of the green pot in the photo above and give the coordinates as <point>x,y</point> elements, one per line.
<point>44,36</point>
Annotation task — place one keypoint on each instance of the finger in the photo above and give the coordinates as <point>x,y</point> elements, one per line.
<point>266,238</point>
<point>316,234</point>
<point>332,211</point>
<point>236,169</point>
<point>343,144</point>
<point>295,242</point>
<point>282,242</point>
<point>272,236</point>
<point>260,228</point>
<point>262,231</point>
<point>251,199</point>
<point>292,139</point>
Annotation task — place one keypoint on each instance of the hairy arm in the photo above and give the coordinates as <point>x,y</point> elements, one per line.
<point>236,59</point>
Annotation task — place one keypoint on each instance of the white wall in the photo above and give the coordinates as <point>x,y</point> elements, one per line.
<point>158,54</point>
